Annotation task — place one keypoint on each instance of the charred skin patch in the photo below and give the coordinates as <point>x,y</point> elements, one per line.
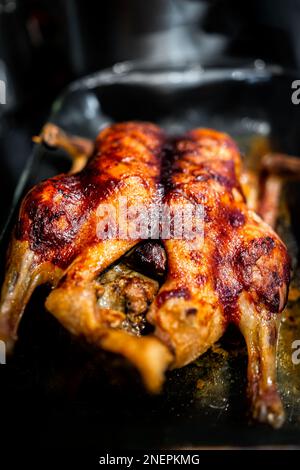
<point>228,289</point>
<point>191,311</point>
<point>193,162</point>
<point>260,274</point>
<point>200,280</point>
<point>236,218</point>
<point>248,267</point>
<point>254,250</point>
<point>196,256</point>
<point>150,257</point>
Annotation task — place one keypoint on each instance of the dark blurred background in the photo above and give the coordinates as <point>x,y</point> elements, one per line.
<point>45,44</point>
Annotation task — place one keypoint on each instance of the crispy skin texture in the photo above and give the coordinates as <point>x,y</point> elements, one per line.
<point>56,232</point>
<point>58,216</point>
<point>238,272</point>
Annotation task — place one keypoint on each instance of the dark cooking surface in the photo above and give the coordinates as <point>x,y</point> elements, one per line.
<point>58,392</point>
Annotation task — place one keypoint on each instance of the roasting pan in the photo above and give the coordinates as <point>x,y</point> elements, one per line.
<point>56,391</point>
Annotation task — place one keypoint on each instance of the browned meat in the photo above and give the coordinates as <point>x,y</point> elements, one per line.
<point>235,271</point>
<point>57,220</point>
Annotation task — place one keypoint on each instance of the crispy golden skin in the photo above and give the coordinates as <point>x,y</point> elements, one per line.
<point>236,271</point>
<point>56,240</point>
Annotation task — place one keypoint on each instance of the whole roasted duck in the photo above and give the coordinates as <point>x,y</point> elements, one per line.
<point>235,271</point>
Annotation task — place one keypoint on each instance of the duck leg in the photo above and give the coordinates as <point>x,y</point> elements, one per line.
<point>78,148</point>
<point>260,330</point>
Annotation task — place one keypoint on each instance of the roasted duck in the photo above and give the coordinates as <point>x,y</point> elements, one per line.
<point>236,270</point>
